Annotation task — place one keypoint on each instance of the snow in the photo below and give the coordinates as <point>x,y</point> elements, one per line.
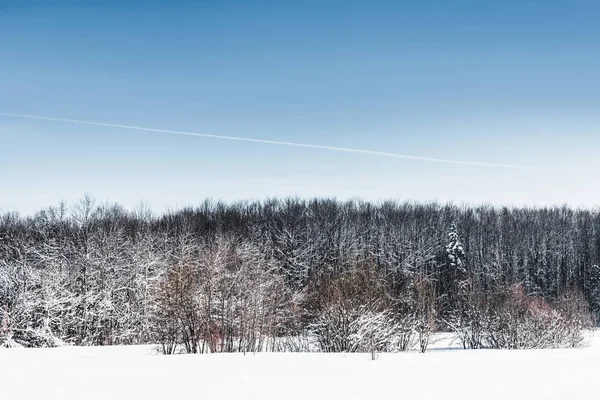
<point>138,372</point>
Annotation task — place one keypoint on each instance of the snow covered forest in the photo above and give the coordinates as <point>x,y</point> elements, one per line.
<point>299,275</point>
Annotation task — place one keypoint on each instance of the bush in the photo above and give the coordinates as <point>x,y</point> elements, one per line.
<point>469,324</point>
<point>519,321</point>
<point>356,312</point>
<point>425,297</point>
<point>333,329</point>
<point>511,319</point>
<point>222,297</point>
<point>177,317</point>
<point>363,329</point>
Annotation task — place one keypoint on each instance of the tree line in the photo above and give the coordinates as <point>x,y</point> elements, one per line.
<point>336,275</point>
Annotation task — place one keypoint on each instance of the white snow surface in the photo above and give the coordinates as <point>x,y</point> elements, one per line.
<point>444,372</point>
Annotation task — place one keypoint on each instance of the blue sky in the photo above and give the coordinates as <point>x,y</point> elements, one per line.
<point>513,82</point>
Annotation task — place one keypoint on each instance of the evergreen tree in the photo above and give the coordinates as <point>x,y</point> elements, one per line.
<point>454,251</point>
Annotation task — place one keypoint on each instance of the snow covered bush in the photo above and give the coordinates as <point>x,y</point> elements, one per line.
<point>512,319</point>
<point>519,321</point>
<point>372,331</point>
<point>469,323</point>
<point>33,317</point>
<point>363,330</point>
<point>242,296</point>
<point>221,297</point>
<point>177,317</point>
<point>333,329</point>
<point>5,334</point>
<point>382,332</point>
<point>355,312</point>
<point>425,298</point>
<point>339,301</point>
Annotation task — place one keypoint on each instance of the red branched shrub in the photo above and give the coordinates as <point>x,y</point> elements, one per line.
<point>515,320</point>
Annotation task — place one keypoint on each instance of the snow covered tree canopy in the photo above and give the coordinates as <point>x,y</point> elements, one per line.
<point>88,274</point>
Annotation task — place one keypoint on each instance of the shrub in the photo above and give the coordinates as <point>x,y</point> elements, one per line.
<point>425,297</point>
<point>363,329</point>
<point>222,297</point>
<point>519,321</point>
<point>511,319</point>
<point>356,312</point>
<point>177,317</point>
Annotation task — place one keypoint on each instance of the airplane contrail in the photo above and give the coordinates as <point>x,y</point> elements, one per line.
<point>273,142</point>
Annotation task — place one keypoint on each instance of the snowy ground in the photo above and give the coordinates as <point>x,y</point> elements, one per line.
<point>136,372</point>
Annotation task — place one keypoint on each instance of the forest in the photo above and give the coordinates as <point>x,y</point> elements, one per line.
<point>299,275</point>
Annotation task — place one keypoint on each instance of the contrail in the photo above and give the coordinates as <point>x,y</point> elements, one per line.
<point>273,142</point>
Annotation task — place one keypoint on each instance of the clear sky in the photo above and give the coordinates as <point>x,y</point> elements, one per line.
<point>509,82</point>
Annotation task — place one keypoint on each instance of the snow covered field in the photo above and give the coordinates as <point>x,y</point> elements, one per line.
<point>137,372</point>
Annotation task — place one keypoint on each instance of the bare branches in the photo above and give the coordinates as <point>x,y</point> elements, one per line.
<point>253,276</point>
